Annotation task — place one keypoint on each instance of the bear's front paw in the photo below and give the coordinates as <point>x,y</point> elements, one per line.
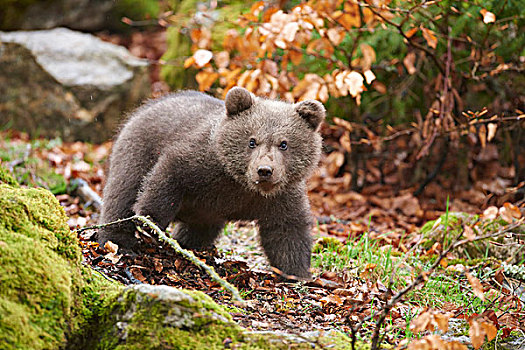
<point>283,276</point>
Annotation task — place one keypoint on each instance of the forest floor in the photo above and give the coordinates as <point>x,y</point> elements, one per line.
<point>369,248</point>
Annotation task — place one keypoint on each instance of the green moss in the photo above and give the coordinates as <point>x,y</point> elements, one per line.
<point>161,317</point>
<point>6,178</point>
<point>39,270</point>
<point>327,243</point>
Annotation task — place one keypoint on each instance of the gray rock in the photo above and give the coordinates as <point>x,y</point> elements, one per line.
<point>63,83</point>
<point>87,15</point>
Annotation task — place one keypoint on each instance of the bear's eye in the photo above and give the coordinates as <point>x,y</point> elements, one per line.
<point>283,146</point>
<point>252,143</point>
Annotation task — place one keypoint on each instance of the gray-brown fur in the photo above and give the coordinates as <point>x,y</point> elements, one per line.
<point>186,158</point>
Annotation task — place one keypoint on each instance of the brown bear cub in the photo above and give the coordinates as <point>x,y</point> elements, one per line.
<point>198,161</point>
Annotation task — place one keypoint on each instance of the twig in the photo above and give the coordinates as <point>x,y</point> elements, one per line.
<point>86,193</point>
<point>175,245</point>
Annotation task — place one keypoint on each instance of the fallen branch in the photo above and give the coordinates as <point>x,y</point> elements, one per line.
<point>175,245</point>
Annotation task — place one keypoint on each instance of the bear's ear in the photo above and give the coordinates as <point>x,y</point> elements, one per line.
<point>312,111</point>
<point>238,100</point>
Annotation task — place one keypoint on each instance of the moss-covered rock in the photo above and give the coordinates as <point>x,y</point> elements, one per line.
<point>162,317</point>
<point>40,279</point>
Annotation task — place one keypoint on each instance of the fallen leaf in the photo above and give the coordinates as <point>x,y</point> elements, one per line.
<point>482,134</point>
<point>348,21</point>
<point>468,232</point>
<point>476,333</point>
<point>421,322</point>
<point>490,330</point>
<point>476,286</point>
<point>332,299</point>
<point>354,82</point>
<point>491,213</point>
<point>509,211</point>
<point>289,31</point>
<point>111,247</point>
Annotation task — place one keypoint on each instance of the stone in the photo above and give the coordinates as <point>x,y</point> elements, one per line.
<point>84,15</point>
<point>62,83</point>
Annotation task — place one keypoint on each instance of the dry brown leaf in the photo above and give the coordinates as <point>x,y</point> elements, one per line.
<point>336,35</point>
<point>430,37</point>
<point>222,59</point>
<point>514,210</point>
<point>295,56</point>
<point>332,299</point>
<point>488,17</point>
<point>491,213</point>
<point>345,142</point>
<point>490,330</point>
<point>409,61</point>
<point>369,56</point>
<point>289,31</point>
<point>323,93</point>
<point>354,83</point>
<point>476,333</point>
<point>468,232</point>
<point>509,211</point>
<point>442,321</point>
<point>111,247</point>
<point>348,21</point>
<point>369,76</point>
<point>206,79</point>
<point>202,57</point>
<point>476,286</point>
<point>411,32</point>
<point>482,133</point>
<point>189,62</point>
<point>492,131</point>
<point>343,123</point>
<point>421,322</point>
<point>380,87</point>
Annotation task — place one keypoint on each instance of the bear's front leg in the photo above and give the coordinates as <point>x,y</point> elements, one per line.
<point>161,193</point>
<point>285,233</point>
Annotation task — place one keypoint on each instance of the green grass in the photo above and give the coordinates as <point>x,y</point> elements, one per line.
<point>363,255</point>
<point>28,169</point>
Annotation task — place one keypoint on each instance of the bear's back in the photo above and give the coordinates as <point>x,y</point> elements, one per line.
<point>175,117</point>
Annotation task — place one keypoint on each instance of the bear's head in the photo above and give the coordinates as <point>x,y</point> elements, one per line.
<point>267,144</point>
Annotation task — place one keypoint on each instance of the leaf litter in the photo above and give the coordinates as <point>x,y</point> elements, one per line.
<point>333,300</point>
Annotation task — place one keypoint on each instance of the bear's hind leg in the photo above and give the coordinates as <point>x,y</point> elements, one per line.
<point>196,236</point>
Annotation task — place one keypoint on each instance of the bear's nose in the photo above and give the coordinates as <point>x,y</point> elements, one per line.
<point>265,171</point>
